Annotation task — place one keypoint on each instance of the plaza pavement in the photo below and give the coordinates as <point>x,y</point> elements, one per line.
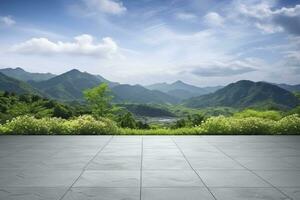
<point>149,167</point>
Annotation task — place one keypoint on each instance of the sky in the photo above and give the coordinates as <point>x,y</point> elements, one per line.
<point>201,42</point>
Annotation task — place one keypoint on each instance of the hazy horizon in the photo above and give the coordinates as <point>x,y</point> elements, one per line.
<point>147,41</point>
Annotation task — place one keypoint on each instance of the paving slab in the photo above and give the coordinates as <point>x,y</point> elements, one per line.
<point>149,167</point>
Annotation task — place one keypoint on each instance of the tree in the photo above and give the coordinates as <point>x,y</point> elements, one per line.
<point>61,111</point>
<point>127,121</point>
<point>99,99</point>
<point>196,119</point>
<point>180,123</point>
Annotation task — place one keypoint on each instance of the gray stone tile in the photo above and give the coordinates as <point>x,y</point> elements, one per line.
<point>281,178</point>
<point>115,163</point>
<point>31,193</point>
<point>37,178</point>
<point>293,193</point>
<point>162,152</point>
<point>231,178</point>
<point>266,163</point>
<point>248,193</point>
<point>121,152</point>
<point>176,194</point>
<point>214,163</point>
<point>103,194</point>
<point>72,163</point>
<point>170,178</point>
<point>165,162</point>
<point>109,178</point>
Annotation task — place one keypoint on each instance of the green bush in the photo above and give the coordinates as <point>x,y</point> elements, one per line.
<point>87,125</point>
<point>252,126</point>
<point>162,131</point>
<point>270,114</point>
<point>288,125</point>
<point>230,125</point>
<point>4,130</point>
<point>217,125</point>
<point>25,125</point>
<point>83,125</point>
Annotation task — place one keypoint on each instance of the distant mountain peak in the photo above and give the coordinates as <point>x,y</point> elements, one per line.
<point>19,69</point>
<point>74,71</point>
<point>179,82</point>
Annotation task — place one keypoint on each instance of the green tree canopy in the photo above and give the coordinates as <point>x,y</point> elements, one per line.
<point>99,99</point>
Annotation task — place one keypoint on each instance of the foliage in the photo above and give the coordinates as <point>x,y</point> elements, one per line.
<point>82,125</point>
<point>288,125</point>
<point>127,121</point>
<point>88,125</point>
<point>294,111</point>
<point>190,121</point>
<point>99,99</point>
<point>12,105</point>
<point>148,110</point>
<point>297,94</point>
<point>270,114</point>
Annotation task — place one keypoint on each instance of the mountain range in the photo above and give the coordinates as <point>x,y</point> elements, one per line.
<point>246,94</point>
<point>21,74</point>
<point>70,85</point>
<point>17,86</point>
<point>182,90</point>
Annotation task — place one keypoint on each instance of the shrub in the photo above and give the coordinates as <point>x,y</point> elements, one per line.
<point>252,126</point>
<point>288,125</point>
<point>270,114</point>
<point>4,130</point>
<point>243,126</point>
<point>83,125</point>
<point>25,125</point>
<point>217,125</point>
<point>162,131</point>
<point>87,125</point>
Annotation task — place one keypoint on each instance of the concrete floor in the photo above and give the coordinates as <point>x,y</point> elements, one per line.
<point>149,167</point>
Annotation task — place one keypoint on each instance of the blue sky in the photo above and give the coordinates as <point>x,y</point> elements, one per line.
<point>146,41</point>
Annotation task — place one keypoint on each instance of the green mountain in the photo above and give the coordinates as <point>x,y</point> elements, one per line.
<point>246,94</point>
<point>13,85</point>
<point>182,90</point>
<point>291,88</point>
<point>145,110</point>
<point>138,94</point>
<point>103,80</point>
<point>21,74</point>
<point>68,86</point>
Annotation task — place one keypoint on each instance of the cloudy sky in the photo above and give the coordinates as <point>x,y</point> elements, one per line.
<point>202,42</point>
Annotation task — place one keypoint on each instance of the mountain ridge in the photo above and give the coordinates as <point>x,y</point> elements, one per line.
<point>244,94</point>
<point>21,74</point>
<point>182,90</point>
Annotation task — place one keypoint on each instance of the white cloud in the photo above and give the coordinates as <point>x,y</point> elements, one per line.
<point>223,68</point>
<point>213,19</point>
<point>7,21</point>
<point>83,45</point>
<point>185,16</point>
<point>272,20</point>
<point>268,28</point>
<point>106,6</point>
